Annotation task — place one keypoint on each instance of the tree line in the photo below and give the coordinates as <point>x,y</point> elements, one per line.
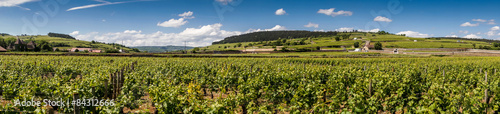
<point>274,35</point>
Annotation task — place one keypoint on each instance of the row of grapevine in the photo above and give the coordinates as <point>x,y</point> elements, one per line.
<point>264,85</point>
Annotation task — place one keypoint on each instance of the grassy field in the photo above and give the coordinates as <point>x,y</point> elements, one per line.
<point>70,43</point>
<point>388,41</point>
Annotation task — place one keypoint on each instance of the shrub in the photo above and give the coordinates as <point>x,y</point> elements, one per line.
<point>378,46</point>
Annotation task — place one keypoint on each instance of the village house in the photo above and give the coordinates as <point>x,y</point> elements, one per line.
<point>86,49</point>
<point>21,45</point>
<point>2,49</point>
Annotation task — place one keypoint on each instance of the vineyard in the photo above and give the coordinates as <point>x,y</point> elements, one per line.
<point>253,85</point>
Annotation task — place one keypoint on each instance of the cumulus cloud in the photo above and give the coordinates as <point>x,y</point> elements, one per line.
<point>173,23</point>
<point>468,24</point>
<point>472,36</point>
<point>74,33</point>
<point>202,36</point>
<point>131,31</point>
<point>344,29</point>
<point>495,28</point>
<point>276,28</point>
<point>414,34</point>
<point>187,15</point>
<point>463,32</point>
<point>451,36</point>
<point>280,12</point>
<point>382,19</point>
<point>491,33</point>
<point>311,25</point>
<point>225,2</point>
<point>492,22</point>
<point>479,20</point>
<point>373,30</point>
<point>331,12</point>
<point>177,22</point>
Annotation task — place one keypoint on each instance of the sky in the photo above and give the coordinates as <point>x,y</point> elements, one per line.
<point>201,22</point>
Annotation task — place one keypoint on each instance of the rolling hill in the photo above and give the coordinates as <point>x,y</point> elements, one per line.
<point>160,49</point>
<point>336,40</point>
<point>64,42</point>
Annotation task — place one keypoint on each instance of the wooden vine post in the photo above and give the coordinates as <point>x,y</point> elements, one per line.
<point>370,88</point>
<point>75,106</point>
<point>486,91</point>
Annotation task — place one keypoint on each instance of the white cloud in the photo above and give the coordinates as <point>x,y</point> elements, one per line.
<point>414,34</point>
<point>463,32</point>
<point>479,20</point>
<point>280,12</point>
<point>173,23</point>
<point>344,29</point>
<point>202,36</point>
<point>311,25</point>
<point>468,24</point>
<point>276,28</point>
<point>331,12</point>
<point>187,15</point>
<point>103,3</point>
<point>451,36</point>
<point>13,3</point>
<point>492,22</point>
<point>382,19</point>
<point>224,1</point>
<point>472,36</point>
<point>373,30</point>
<point>491,33</point>
<point>74,33</point>
<point>132,31</point>
<point>495,28</point>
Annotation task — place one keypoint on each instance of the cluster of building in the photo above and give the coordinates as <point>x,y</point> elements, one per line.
<point>21,45</point>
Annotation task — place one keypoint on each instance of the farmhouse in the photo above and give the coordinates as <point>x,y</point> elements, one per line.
<point>85,49</point>
<point>2,49</point>
<point>21,45</point>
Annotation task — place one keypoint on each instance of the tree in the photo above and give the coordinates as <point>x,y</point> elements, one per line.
<point>112,51</point>
<point>44,45</point>
<point>318,48</point>
<point>196,49</point>
<point>337,38</point>
<point>474,45</point>
<point>356,44</point>
<point>60,35</point>
<point>239,44</point>
<point>76,50</point>
<point>378,46</point>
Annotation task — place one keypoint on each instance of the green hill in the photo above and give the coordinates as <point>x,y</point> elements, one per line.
<point>65,43</point>
<point>336,40</point>
<point>160,49</point>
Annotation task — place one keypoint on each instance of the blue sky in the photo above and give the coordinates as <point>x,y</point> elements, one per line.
<point>200,22</point>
